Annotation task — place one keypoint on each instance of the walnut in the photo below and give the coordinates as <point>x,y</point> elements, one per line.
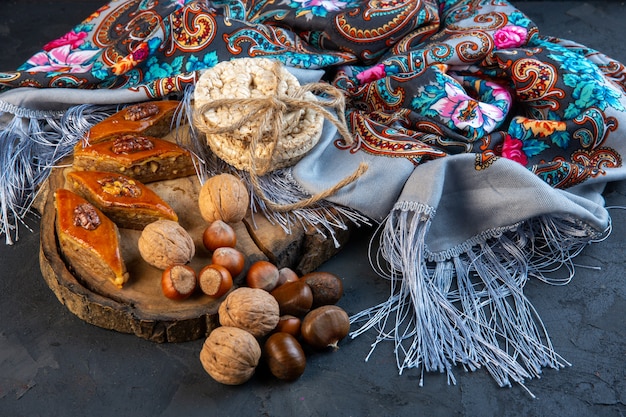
<point>130,144</point>
<point>85,216</point>
<point>251,309</point>
<point>223,197</point>
<point>230,355</point>
<point>140,111</point>
<point>164,243</point>
<point>120,186</point>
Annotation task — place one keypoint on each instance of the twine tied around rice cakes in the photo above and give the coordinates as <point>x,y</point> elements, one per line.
<point>258,118</point>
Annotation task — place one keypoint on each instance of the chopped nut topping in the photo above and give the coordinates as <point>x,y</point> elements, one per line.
<point>131,144</point>
<point>141,111</point>
<point>85,216</point>
<point>120,187</point>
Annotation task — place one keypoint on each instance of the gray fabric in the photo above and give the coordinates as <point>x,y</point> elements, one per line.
<point>472,205</point>
<point>373,194</point>
<point>63,98</point>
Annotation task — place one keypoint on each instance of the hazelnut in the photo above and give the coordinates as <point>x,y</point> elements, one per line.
<point>285,275</point>
<point>178,282</point>
<point>230,258</point>
<point>263,275</point>
<point>215,280</point>
<point>218,234</point>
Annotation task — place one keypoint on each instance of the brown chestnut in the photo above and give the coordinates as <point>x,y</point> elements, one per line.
<point>263,275</point>
<point>289,324</point>
<point>178,281</point>
<point>294,298</point>
<point>325,326</point>
<point>215,280</point>
<point>230,258</point>
<point>327,288</point>
<point>219,234</point>
<point>284,356</point>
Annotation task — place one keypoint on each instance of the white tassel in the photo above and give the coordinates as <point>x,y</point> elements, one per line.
<point>470,309</point>
<point>31,144</point>
<point>279,186</point>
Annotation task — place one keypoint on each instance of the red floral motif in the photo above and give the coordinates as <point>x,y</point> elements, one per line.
<point>512,149</point>
<point>371,74</point>
<point>510,37</point>
<point>73,39</point>
<point>141,53</point>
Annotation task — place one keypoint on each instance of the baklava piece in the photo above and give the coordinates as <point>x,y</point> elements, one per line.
<point>88,240</point>
<point>126,201</point>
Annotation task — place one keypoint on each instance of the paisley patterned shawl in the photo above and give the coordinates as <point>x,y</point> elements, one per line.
<point>448,89</point>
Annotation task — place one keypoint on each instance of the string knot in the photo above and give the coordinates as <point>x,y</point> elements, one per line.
<point>258,118</point>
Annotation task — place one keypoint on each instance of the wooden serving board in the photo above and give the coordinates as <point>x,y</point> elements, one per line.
<point>140,308</point>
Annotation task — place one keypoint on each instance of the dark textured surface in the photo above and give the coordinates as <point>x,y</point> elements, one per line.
<point>53,364</point>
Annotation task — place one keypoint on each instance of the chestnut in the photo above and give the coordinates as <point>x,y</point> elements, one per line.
<point>230,258</point>
<point>327,287</point>
<point>263,275</point>
<point>178,281</point>
<point>289,324</point>
<point>325,326</point>
<point>215,280</point>
<point>284,356</point>
<point>219,234</point>
<point>294,298</point>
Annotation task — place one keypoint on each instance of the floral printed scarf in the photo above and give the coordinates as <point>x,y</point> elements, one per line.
<point>488,145</point>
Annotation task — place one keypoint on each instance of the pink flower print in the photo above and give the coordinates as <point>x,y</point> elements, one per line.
<point>499,93</point>
<point>464,111</point>
<point>512,149</point>
<point>141,52</point>
<point>74,39</point>
<point>371,74</point>
<point>61,59</point>
<point>328,5</point>
<point>510,37</point>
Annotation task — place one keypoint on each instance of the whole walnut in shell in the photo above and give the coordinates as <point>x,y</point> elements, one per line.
<point>251,309</point>
<point>230,355</point>
<point>223,197</point>
<point>164,243</point>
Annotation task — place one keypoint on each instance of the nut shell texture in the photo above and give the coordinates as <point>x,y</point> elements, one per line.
<point>223,197</point>
<point>164,243</point>
<point>251,309</point>
<point>230,355</point>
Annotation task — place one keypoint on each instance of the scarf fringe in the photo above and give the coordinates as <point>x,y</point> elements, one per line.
<point>31,144</point>
<point>469,309</point>
<point>279,186</point>
<point>34,141</point>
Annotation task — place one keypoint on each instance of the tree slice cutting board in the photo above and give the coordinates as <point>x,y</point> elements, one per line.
<point>140,308</point>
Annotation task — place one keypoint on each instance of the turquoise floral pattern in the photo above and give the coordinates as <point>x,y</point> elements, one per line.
<point>320,8</point>
<point>195,63</point>
<point>463,112</point>
<point>65,54</point>
<point>446,100</point>
<point>422,79</point>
